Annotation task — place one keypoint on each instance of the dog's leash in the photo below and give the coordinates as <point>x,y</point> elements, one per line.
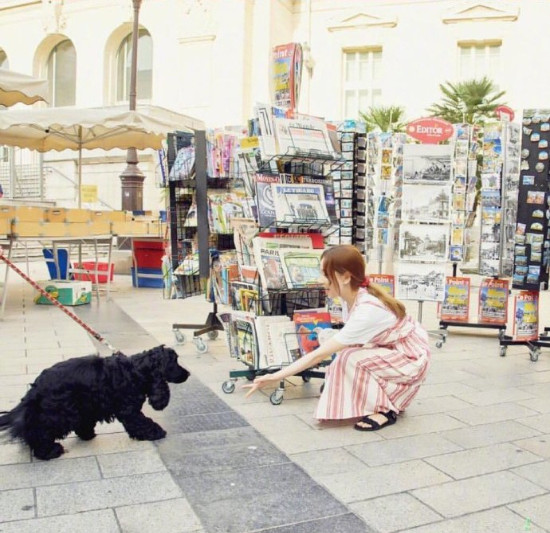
<point>55,302</point>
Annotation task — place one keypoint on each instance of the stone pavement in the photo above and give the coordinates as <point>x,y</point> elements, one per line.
<point>472,453</point>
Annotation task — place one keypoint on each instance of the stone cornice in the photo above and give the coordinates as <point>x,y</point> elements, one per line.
<point>361,21</point>
<point>488,11</point>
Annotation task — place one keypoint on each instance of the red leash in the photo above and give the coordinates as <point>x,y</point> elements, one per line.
<point>55,302</point>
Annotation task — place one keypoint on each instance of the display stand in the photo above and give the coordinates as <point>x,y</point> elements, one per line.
<point>445,324</point>
<point>193,283</point>
<point>285,301</point>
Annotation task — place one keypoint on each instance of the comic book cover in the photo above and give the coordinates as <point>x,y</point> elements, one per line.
<point>456,304</point>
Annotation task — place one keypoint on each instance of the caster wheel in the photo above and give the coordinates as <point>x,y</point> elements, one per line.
<point>276,397</point>
<point>180,337</point>
<point>534,354</point>
<point>250,377</point>
<point>200,345</point>
<point>306,379</point>
<point>228,387</point>
<point>213,335</point>
<point>439,344</point>
<point>502,351</point>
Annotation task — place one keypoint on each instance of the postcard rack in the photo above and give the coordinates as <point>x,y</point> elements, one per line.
<point>282,302</point>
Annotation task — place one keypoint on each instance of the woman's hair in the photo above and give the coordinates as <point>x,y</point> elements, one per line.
<point>346,258</point>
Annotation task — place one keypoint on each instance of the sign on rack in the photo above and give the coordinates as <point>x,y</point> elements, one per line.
<point>430,130</point>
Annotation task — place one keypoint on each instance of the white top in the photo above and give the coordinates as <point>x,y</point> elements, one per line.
<point>365,320</point>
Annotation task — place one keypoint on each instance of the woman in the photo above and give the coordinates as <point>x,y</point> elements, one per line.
<point>382,353</point>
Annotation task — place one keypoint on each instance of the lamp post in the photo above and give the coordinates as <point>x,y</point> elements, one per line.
<point>132,177</point>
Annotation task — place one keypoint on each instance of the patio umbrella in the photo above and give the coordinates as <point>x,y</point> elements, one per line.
<point>63,128</point>
<point>19,88</point>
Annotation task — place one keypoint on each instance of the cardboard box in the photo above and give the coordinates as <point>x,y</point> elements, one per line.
<point>7,212</point>
<point>25,213</point>
<point>40,229</point>
<point>109,216</point>
<point>78,215</point>
<point>65,292</point>
<point>5,226</point>
<point>55,214</point>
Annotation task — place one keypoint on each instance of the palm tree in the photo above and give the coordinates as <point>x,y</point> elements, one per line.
<point>471,101</point>
<point>384,118</point>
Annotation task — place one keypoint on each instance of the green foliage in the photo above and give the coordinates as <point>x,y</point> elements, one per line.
<point>471,101</point>
<point>384,118</point>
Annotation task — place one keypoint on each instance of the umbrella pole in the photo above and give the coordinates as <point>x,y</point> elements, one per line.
<point>80,190</point>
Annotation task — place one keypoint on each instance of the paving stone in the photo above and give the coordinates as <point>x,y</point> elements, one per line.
<point>40,473</point>
<point>104,443</point>
<point>403,449</point>
<point>97,521</point>
<point>477,494</point>
<point>536,511</point>
<point>479,461</point>
<point>538,445</point>
<point>441,404</point>
<point>381,515</point>
<point>493,413</point>
<point>346,523</point>
<point>498,520</point>
<point>540,422</point>
<point>370,482</point>
<point>14,453</point>
<point>539,473</point>
<point>169,516</point>
<point>16,505</point>
<point>130,463</point>
<point>486,434</point>
<point>116,492</point>
<point>326,462</point>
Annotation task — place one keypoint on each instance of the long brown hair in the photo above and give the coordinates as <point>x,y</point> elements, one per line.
<point>347,258</point>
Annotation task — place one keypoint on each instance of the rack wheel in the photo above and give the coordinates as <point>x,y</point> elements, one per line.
<point>534,354</point>
<point>180,337</point>
<point>503,351</point>
<point>276,397</point>
<point>306,379</point>
<point>439,344</point>
<point>501,334</point>
<point>213,335</point>
<point>228,386</point>
<point>200,345</point>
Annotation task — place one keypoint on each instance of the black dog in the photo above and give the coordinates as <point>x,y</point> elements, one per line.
<point>76,394</point>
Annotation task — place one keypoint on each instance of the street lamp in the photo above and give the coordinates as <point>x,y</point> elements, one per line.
<point>132,178</point>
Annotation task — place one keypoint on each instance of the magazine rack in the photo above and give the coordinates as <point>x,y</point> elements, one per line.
<point>183,192</point>
<point>277,302</point>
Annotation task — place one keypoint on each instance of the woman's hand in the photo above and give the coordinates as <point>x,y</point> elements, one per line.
<point>259,383</point>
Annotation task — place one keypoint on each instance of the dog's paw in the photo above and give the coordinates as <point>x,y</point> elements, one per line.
<point>52,452</point>
<point>153,432</point>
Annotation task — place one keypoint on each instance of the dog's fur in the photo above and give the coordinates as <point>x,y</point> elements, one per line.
<point>76,394</point>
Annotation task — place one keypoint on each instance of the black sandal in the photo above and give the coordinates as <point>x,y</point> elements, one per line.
<point>391,418</point>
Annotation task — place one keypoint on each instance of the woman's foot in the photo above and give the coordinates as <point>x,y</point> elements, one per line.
<point>376,421</point>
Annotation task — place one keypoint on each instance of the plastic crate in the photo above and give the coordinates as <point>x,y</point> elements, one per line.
<point>140,281</point>
<point>91,266</point>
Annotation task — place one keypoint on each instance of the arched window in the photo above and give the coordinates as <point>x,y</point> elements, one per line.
<point>144,67</point>
<point>62,74</point>
<point>4,63</point>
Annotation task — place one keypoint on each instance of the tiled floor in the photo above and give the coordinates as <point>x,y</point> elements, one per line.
<point>472,453</point>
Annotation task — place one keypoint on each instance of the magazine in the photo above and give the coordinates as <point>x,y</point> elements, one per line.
<point>264,199</point>
<point>264,326</point>
<point>284,342</point>
<point>526,316</point>
<point>244,335</point>
<point>222,208</point>
<point>268,258</point>
<point>309,323</point>
<point>493,301</point>
<point>302,135</point>
<point>245,296</point>
<point>244,230</point>
<point>302,268</point>
<point>300,203</point>
<point>456,304</point>
<point>384,281</point>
